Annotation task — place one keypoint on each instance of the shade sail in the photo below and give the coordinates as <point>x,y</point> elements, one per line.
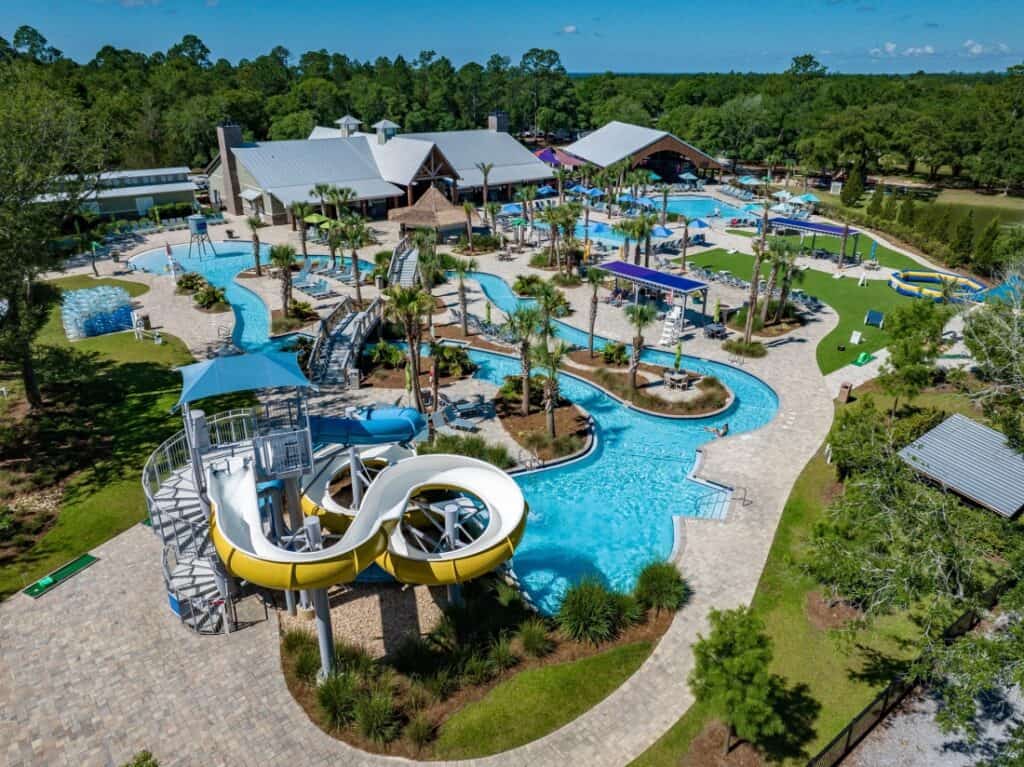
<point>653,278</point>
<point>240,372</point>
<point>810,226</point>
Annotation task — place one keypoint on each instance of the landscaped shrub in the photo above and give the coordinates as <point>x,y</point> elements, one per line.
<point>535,637</point>
<point>631,611</point>
<point>190,282</point>
<point>302,310</point>
<point>589,613</point>
<point>615,354</point>
<point>501,654</point>
<point>789,313</point>
<point>559,447</point>
<point>414,655</point>
<point>511,390</point>
<point>352,658</point>
<point>453,361</point>
<point>482,243</point>
<point>418,696</point>
<point>477,669</point>
<point>142,759</point>
<point>337,696</point>
<point>470,445</point>
<point>307,664</point>
<point>660,586</point>
<point>420,730</point>
<point>526,284</point>
<point>210,297</point>
<point>295,640</point>
<point>505,594</point>
<point>539,260</point>
<point>569,280</point>
<point>387,355</point>
<point>753,349</point>
<point>442,684</point>
<point>376,717</point>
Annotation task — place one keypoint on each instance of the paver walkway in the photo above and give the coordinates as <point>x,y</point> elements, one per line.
<point>100,668</point>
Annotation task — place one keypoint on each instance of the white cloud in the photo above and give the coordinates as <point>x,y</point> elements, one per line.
<point>922,50</point>
<point>570,29</point>
<point>887,49</point>
<point>975,48</point>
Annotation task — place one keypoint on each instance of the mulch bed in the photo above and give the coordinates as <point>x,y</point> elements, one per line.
<point>454,330</point>
<point>825,615</point>
<point>569,419</point>
<point>394,378</point>
<point>565,651</point>
<point>706,750</point>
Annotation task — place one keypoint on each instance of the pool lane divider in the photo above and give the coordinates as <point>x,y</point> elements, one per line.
<point>51,581</point>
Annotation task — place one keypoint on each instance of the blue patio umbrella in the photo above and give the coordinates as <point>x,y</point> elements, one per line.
<point>647,202</point>
<point>688,176</point>
<point>809,197</point>
<point>598,227</point>
<point>546,189</point>
<point>661,231</point>
<point>595,192</point>
<point>699,223</point>
<point>653,176</point>
<point>577,189</point>
<point>510,209</point>
<point>626,197</point>
<point>750,181</point>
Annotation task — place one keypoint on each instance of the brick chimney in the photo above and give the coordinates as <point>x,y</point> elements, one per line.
<point>229,136</point>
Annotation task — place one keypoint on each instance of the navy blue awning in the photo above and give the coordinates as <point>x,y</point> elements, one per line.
<point>240,372</point>
<point>652,278</point>
<point>810,226</point>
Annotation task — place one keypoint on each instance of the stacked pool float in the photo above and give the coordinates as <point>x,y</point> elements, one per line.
<point>95,311</point>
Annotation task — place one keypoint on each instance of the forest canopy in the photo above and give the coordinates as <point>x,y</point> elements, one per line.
<point>161,108</point>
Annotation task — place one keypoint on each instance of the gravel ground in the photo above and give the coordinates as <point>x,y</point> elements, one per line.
<point>911,737</point>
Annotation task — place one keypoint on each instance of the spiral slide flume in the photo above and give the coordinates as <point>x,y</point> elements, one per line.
<point>455,539</point>
<point>237,529</point>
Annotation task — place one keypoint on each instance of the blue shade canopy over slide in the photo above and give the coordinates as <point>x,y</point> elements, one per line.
<point>241,372</point>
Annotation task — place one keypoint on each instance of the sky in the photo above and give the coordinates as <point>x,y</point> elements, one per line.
<point>591,35</point>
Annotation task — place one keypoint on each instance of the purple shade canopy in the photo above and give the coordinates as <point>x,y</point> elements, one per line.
<point>809,226</point>
<point>653,278</point>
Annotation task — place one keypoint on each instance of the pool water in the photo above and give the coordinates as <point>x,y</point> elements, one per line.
<point>703,207</point>
<point>609,514</point>
<point>252,320</point>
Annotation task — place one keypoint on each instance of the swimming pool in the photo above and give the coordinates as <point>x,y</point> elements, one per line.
<point>252,320</point>
<point>703,207</point>
<point>610,513</point>
<point>598,231</point>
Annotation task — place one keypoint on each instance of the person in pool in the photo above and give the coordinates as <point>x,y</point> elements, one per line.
<point>718,432</point>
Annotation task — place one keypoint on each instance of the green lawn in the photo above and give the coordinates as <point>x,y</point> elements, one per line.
<point>108,406</point>
<point>536,702</point>
<point>850,302</point>
<point>842,678</point>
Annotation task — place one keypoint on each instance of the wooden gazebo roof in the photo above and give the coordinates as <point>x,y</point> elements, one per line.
<point>431,211</point>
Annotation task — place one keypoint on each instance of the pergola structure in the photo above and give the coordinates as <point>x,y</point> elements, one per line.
<point>641,276</point>
<point>814,228</point>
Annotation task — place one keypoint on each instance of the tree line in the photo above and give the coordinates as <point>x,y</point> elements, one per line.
<point>161,108</point>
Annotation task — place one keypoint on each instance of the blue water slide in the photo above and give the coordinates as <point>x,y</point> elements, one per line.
<point>375,427</point>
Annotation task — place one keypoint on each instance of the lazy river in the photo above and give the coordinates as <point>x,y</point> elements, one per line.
<point>610,513</point>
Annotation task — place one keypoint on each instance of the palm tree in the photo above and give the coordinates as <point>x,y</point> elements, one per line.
<point>525,195</point>
<point>640,315</point>
<point>548,299</point>
<point>469,209</point>
<point>645,223</point>
<point>778,252</point>
<point>561,176</point>
<point>595,277</point>
<point>491,210</point>
<point>282,257</point>
<point>550,358</point>
<point>340,196</point>
<point>462,267</point>
<point>551,216</point>
<point>760,249</point>
<point>254,223</point>
<point>428,265</point>
<point>569,216</point>
<point>335,240</point>
<point>523,325</point>
<point>663,190</point>
<point>625,228</point>
<point>356,235</point>
<point>407,307</point>
<point>686,242</point>
<point>320,191</point>
<point>485,171</point>
<point>790,275</point>
<point>299,211</point>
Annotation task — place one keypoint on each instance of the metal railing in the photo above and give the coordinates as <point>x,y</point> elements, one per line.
<point>321,346</point>
<point>397,259</point>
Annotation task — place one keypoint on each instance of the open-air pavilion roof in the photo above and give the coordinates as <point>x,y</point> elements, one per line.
<point>240,372</point>
<point>618,140</point>
<point>652,278</point>
<point>973,461</point>
<point>812,227</point>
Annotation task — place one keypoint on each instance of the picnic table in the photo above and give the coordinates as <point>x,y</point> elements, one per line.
<point>715,330</point>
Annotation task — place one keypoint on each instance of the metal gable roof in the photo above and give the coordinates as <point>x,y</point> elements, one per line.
<point>618,140</point>
<point>512,161</point>
<point>972,460</point>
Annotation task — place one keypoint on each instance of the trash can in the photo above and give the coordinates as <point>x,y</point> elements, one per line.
<point>845,391</point>
<point>145,322</point>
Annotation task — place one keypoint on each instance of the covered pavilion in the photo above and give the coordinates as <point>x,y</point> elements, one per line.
<point>674,284</point>
<point>657,151</point>
<point>431,211</point>
<point>814,228</point>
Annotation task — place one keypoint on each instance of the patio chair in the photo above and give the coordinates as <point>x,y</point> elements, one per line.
<point>457,422</point>
<point>473,406</point>
<point>875,319</point>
